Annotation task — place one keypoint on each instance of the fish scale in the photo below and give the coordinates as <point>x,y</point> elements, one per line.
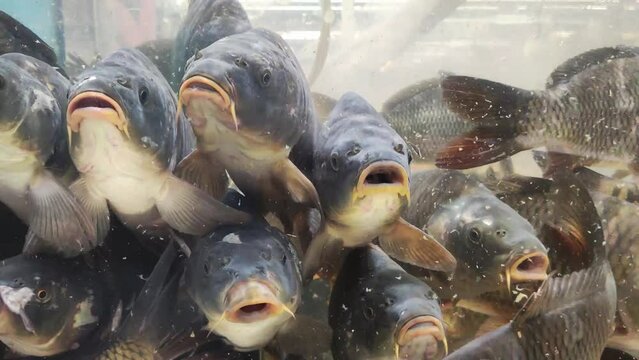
<point>128,350</point>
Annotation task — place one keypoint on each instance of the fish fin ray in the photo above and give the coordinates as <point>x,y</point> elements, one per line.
<point>316,254</point>
<point>198,170</point>
<point>190,210</point>
<point>58,223</point>
<point>295,183</point>
<point>408,244</point>
<point>427,90</point>
<point>96,207</point>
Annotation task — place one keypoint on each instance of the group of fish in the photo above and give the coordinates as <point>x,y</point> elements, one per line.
<point>200,202</point>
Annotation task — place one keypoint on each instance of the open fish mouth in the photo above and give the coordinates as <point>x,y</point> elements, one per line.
<point>527,268</point>
<point>383,177</point>
<point>425,327</point>
<point>200,87</point>
<point>95,105</point>
<point>253,301</point>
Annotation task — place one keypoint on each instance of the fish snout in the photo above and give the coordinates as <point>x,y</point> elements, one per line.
<point>423,335</point>
<point>95,105</point>
<point>252,301</point>
<point>383,176</point>
<point>202,88</point>
<point>528,267</point>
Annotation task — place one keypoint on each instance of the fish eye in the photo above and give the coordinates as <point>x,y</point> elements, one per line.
<point>399,148</point>
<point>369,313</point>
<point>266,78</point>
<point>474,235</point>
<point>334,162</point>
<point>241,62</point>
<point>42,295</point>
<point>197,55</point>
<point>501,233</point>
<point>124,82</point>
<point>354,151</point>
<point>144,95</point>
<point>3,82</point>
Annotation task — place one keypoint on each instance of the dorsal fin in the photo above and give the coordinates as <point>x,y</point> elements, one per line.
<point>573,66</point>
<point>428,90</point>
<point>558,292</point>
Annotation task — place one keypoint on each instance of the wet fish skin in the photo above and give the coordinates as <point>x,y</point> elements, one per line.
<point>125,141</point>
<point>50,305</point>
<point>420,116</point>
<point>362,174</point>
<point>545,329</point>
<point>509,120</point>
<point>206,22</point>
<point>486,236</point>
<point>246,281</point>
<point>372,304</point>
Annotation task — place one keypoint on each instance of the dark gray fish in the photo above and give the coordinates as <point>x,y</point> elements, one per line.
<point>49,305</point>
<point>570,317</point>
<point>419,115</point>
<point>246,281</point>
<point>206,22</point>
<point>125,140</point>
<point>34,157</point>
<point>362,177</point>
<point>494,246</point>
<point>250,107</point>
<point>17,38</point>
<point>378,311</point>
<point>508,120</point>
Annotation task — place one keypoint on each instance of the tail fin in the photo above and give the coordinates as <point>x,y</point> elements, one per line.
<point>495,109</point>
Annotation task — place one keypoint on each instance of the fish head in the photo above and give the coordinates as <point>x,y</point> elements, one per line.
<point>247,88</point>
<point>247,282</point>
<point>31,115</point>
<point>123,102</point>
<point>391,314</point>
<point>47,305</point>
<point>494,246</point>
<point>362,164</point>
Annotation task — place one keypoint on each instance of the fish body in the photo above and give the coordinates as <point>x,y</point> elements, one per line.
<point>35,157</point>
<point>493,245</point>
<point>206,22</point>
<point>420,116</point>
<point>246,281</point>
<point>590,113</point>
<point>251,111</point>
<point>378,311</point>
<point>361,172</point>
<point>125,140</point>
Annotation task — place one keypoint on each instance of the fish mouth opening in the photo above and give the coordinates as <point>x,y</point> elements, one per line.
<point>253,301</point>
<point>93,104</point>
<point>385,176</point>
<point>200,87</point>
<point>529,267</point>
<point>422,327</point>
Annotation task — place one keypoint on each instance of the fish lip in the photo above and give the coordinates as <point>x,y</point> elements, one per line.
<point>396,181</point>
<point>423,325</point>
<point>263,302</point>
<point>202,86</point>
<point>114,114</point>
<point>528,267</point>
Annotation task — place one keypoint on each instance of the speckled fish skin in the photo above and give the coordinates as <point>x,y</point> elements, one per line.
<point>50,305</point>
<point>591,113</point>
<point>485,235</point>
<point>128,351</point>
<point>571,318</point>
<point>420,116</point>
<point>206,22</point>
<point>372,301</point>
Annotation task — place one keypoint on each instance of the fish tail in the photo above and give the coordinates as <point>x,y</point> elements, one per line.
<point>495,109</point>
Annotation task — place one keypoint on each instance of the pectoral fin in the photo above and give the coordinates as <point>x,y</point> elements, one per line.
<point>58,223</point>
<point>407,243</point>
<point>304,335</point>
<point>200,171</point>
<point>295,183</point>
<point>322,250</point>
<point>192,211</point>
<point>95,206</point>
